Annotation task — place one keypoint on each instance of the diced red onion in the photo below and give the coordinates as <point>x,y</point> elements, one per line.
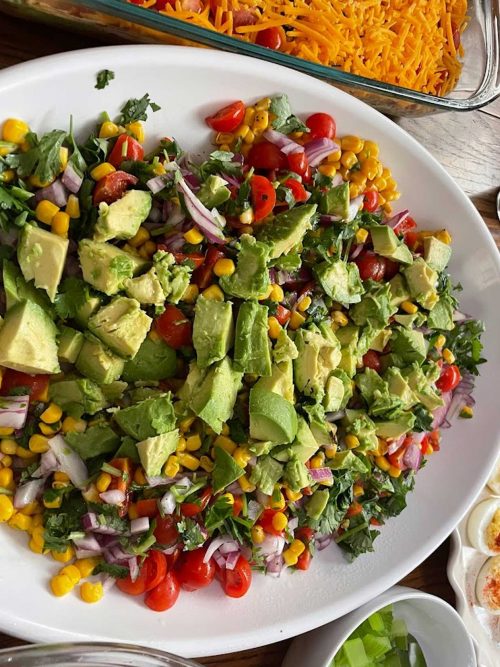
<point>354,207</point>
<point>167,503</point>
<point>154,216</point>
<point>228,547</point>
<point>293,523</point>
<point>282,277</point>
<point>329,218</point>
<point>412,457</point>
<point>232,558</point>
<point>214,546</point>
<point>322,541</point>
<point>394,445</point>
<point>119,554</point>
<point>274,566</point>
<point>89,521</point>
<point>84,553</point>
<point>272,275</point>
<point>113,497</point>
<point>156,481</point>
<point>232,180</point>
<point>28,493</point>
<point>337,180</point>
<point>200,214</point>
<point>55,193</point>
<point>88,543</point>
<point>69,461</point>
<point>321,474</point>
<point>235,489</point>
<point>13,411</point>
<point>460,317</point>
<point>173,215</point>
<point>71,179</point>
<point>140,525</point>
<point>254,509</point>
<point>272,545</point>
<point>219,559</point>
<point>157,183</point>
<point>397,219</point>
<point>358,248</point>
<point>284,143</point>
<point>104,529</point>
<point>48,464</point>
<point>262,498</point>
<point>418,437</point>
<point>318,149</point>
<point>335,416</point>
<point>107,541</point>
<point>441,412</point>
<point>108,582</point>
<point>192,180</point>
<point>170,550</point>
<point>133,567</point>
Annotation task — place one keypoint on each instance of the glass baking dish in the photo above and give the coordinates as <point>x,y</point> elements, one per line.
<point>479,82</point>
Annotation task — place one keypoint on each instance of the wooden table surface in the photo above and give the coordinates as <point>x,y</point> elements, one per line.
<point>467,145</point>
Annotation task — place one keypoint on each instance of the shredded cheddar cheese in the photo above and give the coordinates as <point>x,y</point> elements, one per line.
<point>409,43</point>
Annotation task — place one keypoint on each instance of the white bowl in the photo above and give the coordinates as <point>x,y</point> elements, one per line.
<point>436,626</point>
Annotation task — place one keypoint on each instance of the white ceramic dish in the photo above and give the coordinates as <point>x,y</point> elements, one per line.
<point>436,626</point>
<point>188,84</point>
<point>463,567</point>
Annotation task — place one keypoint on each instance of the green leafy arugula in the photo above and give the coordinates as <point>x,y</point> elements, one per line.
<point>73,294</point>
<point>136,109</point>
<point>285,121</point>
<point>104,78</point>
<point>465,343</point>
<point>43,159</point>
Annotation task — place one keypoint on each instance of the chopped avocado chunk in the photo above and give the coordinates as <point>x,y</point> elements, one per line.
<point>114,390</point>
<point>406,321</point>
<point>341,375</point>
<point>95,441</point>
<point>422,280</point>
<point>375,390</point>
<point>266,474</point>
<point>153,416</point>
<point>303,447</point>
<point>321,430</point>
<point>213,192</point>
<point>381,339</point>
<point>97,362</point>
<point>375,308</point>
<point>400,387</point>
<point>422,387</point>
<point>155,360</point>
<point>358,423</point>
<point>387,244</point>
<point>395,428</point>
<point>213,397</point>
<point>409,344</point>
<point>296,475</point>
<point>213,330</point>
<point>340,280</point>
<point>287,229</point>
<point>436,253</point>
<point>17,289</point>
<point>41,256</point>
<point>146,289</point>
<point>349,338</point>
<point>251,278</point>
<point>252,348</point>
<point>70,344</point>
<point>122,218</point>
<point>106,267</point>
<point>154,451</point>
<point>319,354</point>
<point>174,278</point>
<point>441,316</point>
<point>78,397</point>
<point>128,449</point>
<point>121,325</point>
<point>226,470</point>
<point>317,503</point>
<point>272,417</point>
<point>334,394</point>
<point>280,381</point>
<point>28,340</point>
<point>84,313</point>
<point>284,348</point>
<point>336,201</point>
<point>399,290</point>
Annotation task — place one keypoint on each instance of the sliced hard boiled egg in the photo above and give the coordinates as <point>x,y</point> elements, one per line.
<point>488,586</point>
<point>494,480</point>
<point>483,527</point>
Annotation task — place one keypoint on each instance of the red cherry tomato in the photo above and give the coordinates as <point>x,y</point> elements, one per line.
<point>411,239</point>
<point>166,532</point>
<point>236,583</point>
<point>237,505</point>
<point>304,560</point>
<point>355,508</point>
<point>270,38</point>
<point>391,268</point>
<point>121,483</point>
<point>396,458</point>
<point>194,508</point>
<point>125,148</point>
<point>263,197</point>
<point>147,507</point>
<point>371,201</point>
<point>202,276</point>
<point>372,360</point>
<point>405,226</point>
<point>228,118</point>
<point>164,595</point>
<point>174,327</point>
<point>371,266</point>
<point>425,445</point>
<point>266,521</point>
<point>195,258</point>
<point>36,385</point>
<point>192,572</point>
<point>298,163</point>
<point>304,533</point>
<point>321,125</point>
<point>298,190</point>
<point>265,155</point>
<point>156,569</point>
<point>283,314</point>
<point>112,187</point>
<point>450,377</point>
<point>137,587</point>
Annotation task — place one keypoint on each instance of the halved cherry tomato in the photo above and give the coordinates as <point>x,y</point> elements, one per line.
<point>137,587</point>
<point>112,187</point>
<point>321,125</point>
<point>391,268</point>
<point>266,521</point>
<point>36,385</point>
<point>434,439</point>
<point>192,572</point>
<point>411,239</point>
<point>450,377</point>
<point>375,522</point>
<point>228,118</point>
<point>396,458</point>
<point>194,508</point>
<point>237,505</point>
<point>123,482</point>
<point>156,568</point>
<point>304,560</point>
<point>263,197</point>
<point>298,163</point>
<point>174,327</point>
<point>196,258</point>
<point>298,190</point>
<point>125,148</point>
<point>370,265</point>
<point>370,202</point>
<point>270,38</point>
<point>164,595</point>
<point>265,155</point>
<point>202,276</point>
<point>355,508</point>
<point>282,314</point>
<point>372,360</point>
<point>147,507</point>
<point>425,445</point>
<point>236,583</point>
<point>304,533</point>
<point>405,226</point>
<point>166,532</point>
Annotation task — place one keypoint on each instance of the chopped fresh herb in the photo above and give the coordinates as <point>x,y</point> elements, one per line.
<point>285,120</point>
<point>358,538</point>
<point>73,294</point>
<point>423,419</point>
<point>104,78</point>
<point>465,343</point>
<point>60,523</point>
<point>116,571</point>
<point>218,513</point>
<point>135,109</point>
<point>43,159</point>
<point>191,534</point>
<point>13,209</point>
<point>28,471</point>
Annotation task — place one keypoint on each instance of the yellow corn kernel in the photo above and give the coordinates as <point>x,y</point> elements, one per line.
<point>344,172</point>
<point>258,534</point>
<point>60,476</point>
<point>242,131</point>
<point>224,267</point>
<point>348,159</point>
<point>193,236</point>
<point>391,195</point>
<point>5,431</point>
<point>14,130</point>
<point>293,496</point>
<point>361,235</point>
<point>290,557</point>
<point>191,293</point>
<point>263,104</point>
<point>63,556</point>
<point>21,522</point>
<point>7,479</point>
<point>140,237</point>
<point>72,425</point>
<point>103,482</point>
<point>409,307</point>
<point>249,116</point>
<point>193,443</point>
<point>330,451</point>
<point>224,138</point>
<point>448,356</point>
<point>394,472</point>
<point>382,447</point>
<point>247,217</point>
<point>334,157</point>
<point>136,129</point>
<point>108,130</point>
<point>242,456</point>
<point>7,176</point>
<point>352,143</point>
<point>159,169</point>
<point>102,170</point>
<point>273,327</point>
<point>38,444</point>
<point>296,320</point>
<point>61,585</point>
<point>45,210</point>
<point>52,504</point>
<point>381,200</point>
<point>370,168</point>
<point>7,461</point>
<point>37,521</point>
<point>354,190</point>
<point>340,318</point>
<point>261,121</point>
<point>35,548</point>
<point>214,293</point>
<point>51,414</point>
<point>37,535</point>
<point>186,424</point>
<point>8,446</point>
<point>48,429</point>
<point>60,224</point>
<point>6,508</point>
<point>206,463</point>
<point>147,250</point>
<point>444,236</point>
<point>380,184</point>
<point>359,179</point>
<point>225,148</point>
<point>304,304</point>
<point>72,572</point>
<point>382,463</point>
<point>249,137</point>
<point>372,148</point>
<point>140,477</point>
<point>27,453</point>
<point>229,497</point>
<point>317,462</point>
<point>351,441</point>
<point>90,592</point>
<point>7,148</point>
<point>357,490</point>
<point>188,461</point>
<point>226,443</point>
<point>31,508</point>
<point>132,512</point>
<point>86,566</point>
<point>172,466</point>
<point>277,501</point>
<point>297,547</point>
<point>279,521</point>
<point>245,484</point>
<point>466,412</point>
<point>277,293</point>
<point>327,170</point>
<point>440,341</point>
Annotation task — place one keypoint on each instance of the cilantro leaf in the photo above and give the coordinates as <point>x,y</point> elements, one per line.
<point>73,294</point>
<point>13,209</point>
<point>465,343</point>
<point>285,121</point>
<point>94,150</point>
<point>43,159</point>
<point>424,419</point>
<point>358,538</point>
<point>104,78</point>
<point>76,160</point>
<point>60,523</point>
<point>116,571</point>
<point>135,109</point>
<point>190,533</point>
<point>218,513</point>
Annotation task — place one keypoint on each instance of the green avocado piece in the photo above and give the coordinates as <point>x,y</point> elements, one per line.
<point>296,475</point>
<point>153,416</point>
<point>17,289</point>
<point>303,447</point>
<point>284,348</point>
<point>121,325</point>
<point>318,356</point>
<point>173,278</point>
<point>358,423</point>
<point>97,362</point>
<point>251,278</point>
<point>317,503</point>
<point>42,256</point>
<point>375,308</point>
<point>122,218</point>
<point>347,387</point>
<point>399,290</point>
<point>436,253</point>
<point>387,244</point>
<point>272,417</point>
<point>369,382</point>
<point>422,387</point>
<point>334,393</point>
<point>28,340</point>
<point>252,348</point>
<point>347,460</point>
<point>400,387</point>
<point>114,390</point>
<point>406,321</point>
<point>226,470</point>
<point>70,344</point>
<point>155,360</point>
<point>266,473</point>
<point>95,441</point>
<point>213,192</point>
<point>78,397</point>
<point>86,310</point>
<point>321,430</point>
<point>213,397</point>
<point>287,229</point>
<point>375,390</point>
<point>395,428</point>
<point>154,451</point>
<point>340,280</point>
<point>441,316</point>
<point>422,280</point>
<point>146,289</point>
<point>128,449</point>
<point>280,381</point>
<point>409,344</point>
<point>380,340</point>
<point>106,267</point>
<point>213,330</point>
<point>336,201</point>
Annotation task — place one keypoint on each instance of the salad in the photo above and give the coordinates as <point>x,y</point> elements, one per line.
<point>215,366</point>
